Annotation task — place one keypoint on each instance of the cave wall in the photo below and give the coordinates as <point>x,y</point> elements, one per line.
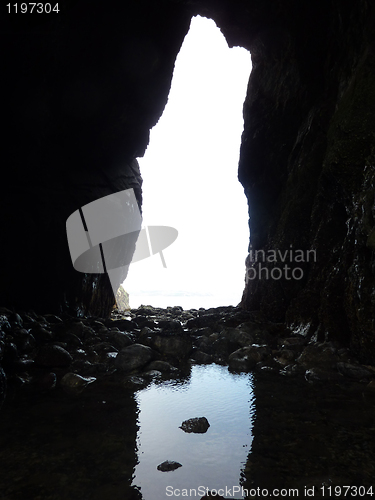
<point>307,166</point>
<point>83,89</point>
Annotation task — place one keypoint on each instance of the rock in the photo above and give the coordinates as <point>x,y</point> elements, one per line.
<point>133,357</point>
<point>74,384</point>
<point>16,319</point>
<point>198,425</point>
<point>206,320</point>
<point>202,357</point>
<point>162,366</point>
<point>126,325</point>
<point>176,346</point>
<point>246,358</point>
<point>237,336</point>
<point>170,326</point>
<point>4,323</point>
<point>53,356</point>
<point>285,356</point>
<point>41,334</point>
<point>152,374</point>
<point>52,318</point>
<point>3,386</point>
<point>168,465</point>
<point>356,372</point>
<point>47,381</point>
<point>119,339</point>
<point>142,321</point>
<point>318,355</point>
<point>321,375</point>
<point>122,299</point>
<point>292,370</point>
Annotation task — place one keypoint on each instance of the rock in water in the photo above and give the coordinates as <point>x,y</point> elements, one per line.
<point>199,425</point>
<point>74,384</point>
<point>168,465</point>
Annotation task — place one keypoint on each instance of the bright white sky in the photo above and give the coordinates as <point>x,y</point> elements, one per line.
<point>190,179</point>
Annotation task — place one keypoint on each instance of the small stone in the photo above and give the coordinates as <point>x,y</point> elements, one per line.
<point>74,384</point>
<point>198,425</point>
<point>53,355</point>
<point>168,465</point>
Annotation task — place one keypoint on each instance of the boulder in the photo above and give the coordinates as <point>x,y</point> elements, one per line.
<point>246,358</point>
<point>133,357</point>
<point>175,346</point>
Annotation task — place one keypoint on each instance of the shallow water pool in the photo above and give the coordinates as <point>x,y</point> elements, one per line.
<point>212,460</point>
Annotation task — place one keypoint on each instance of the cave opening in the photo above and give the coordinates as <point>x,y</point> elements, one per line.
<point>190,179</point>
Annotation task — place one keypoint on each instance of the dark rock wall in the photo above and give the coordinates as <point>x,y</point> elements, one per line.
<point>308,171</point>
<point>83,88</point>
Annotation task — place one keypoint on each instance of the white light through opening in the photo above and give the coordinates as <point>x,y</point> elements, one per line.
<point>190,179</point>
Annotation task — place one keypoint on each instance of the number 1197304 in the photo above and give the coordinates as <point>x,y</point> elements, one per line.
<point>32,8</point>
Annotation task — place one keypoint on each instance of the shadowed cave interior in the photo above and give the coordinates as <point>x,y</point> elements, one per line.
<point>82,89</point>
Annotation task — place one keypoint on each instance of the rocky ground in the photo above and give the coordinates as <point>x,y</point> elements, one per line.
<point>45,352</point>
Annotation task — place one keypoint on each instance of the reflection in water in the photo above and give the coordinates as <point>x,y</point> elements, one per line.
<point>212,460</point>
<point>311,436</point>
<point>55,447</point>
<point>107,443</point>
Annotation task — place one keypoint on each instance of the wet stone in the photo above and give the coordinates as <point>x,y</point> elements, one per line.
<point>168,466</point>
<point>322,356</point>
<point>133,357</point>
<point>202,357</point>
<point>123,325</point>
<point>4,324</point>
<point>41,334</point>
<point>74,384</point>
<point>162,366</point>
<point>356,372</point>
<point>198,425</point>
<point>25,341</point>
<point>119,339</point>
<point>320,375</point>
<point>246,358</point>
<point>141,321</point>
<point>170,326</point>
<point>52,318</point>
<point>53,355</point>
<point>47,382</point>
<point>176,346</point>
